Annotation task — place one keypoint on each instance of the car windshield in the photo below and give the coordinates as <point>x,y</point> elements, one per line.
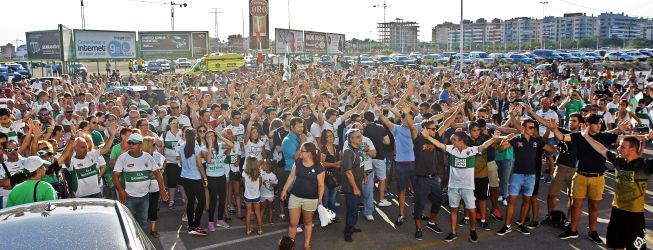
<point>154,64</point>
<point>64,228</point>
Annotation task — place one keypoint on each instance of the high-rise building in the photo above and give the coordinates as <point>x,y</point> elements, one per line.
<point>399,35</point>
<point>619,25</point>
<point>522,30</point>
<point>571,26</point>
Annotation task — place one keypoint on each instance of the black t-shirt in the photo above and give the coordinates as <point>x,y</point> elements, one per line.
<point>525,152</point>
<point>567,152</point>
<point>351,160</point>
<point>376,133</point>
<point>305,185</point>
<point>589,160</point>
<point>278,136</point>
<point>424,157</point>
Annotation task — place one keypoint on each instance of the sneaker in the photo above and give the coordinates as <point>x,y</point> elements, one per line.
<point>171,204</point>
<point>547,180</point>
<point>222,224</point>
<point>532,224</point>
<point>348,238</point>
<point>568,234</point>
<point>496,214</point>
<point>369,218</point>
<point>198,232</point>
<point>282,216</point>
<point>384,203</point>
<point>595,237</point>
<point>425,218</point>
<point>419,235</point>
<point>434,227</point>
<point>451,237</point>
<point>522,229</point>
<point>463,222</point>
<point>504,230</point>
<point>184,218</point>
<point>211,226</point>
<point>504,202</point>
<point>191,231</point>
<point>485,226</point>
<point>300,229</point>
<point>399,221</point>
<point>500,198</point>
<point>473,237</point>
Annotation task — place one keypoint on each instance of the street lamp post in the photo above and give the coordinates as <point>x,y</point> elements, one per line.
<point>172,12</point>
<point>216,11</point>
<point>81,2</point>
<point>543,42</point>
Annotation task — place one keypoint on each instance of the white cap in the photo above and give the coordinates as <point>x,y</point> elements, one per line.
<point>134,137</point>
<point>649,85</point>
<point>33,163</point>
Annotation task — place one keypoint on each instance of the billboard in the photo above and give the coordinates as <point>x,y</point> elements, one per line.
<point>165,44</point>
<point>44,45</point>
<point>289,41</point>
<point>335,43</point>
<point>104,45</point>
<point>259,24</point>
<point>200,43</point>
<point>315,42</point>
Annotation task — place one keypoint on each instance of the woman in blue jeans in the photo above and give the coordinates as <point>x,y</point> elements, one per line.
<point>330,158</point>
<point>193,179</point>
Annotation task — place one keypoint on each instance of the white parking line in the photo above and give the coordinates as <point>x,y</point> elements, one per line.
<point>236,241</point>
<point>384,216</point>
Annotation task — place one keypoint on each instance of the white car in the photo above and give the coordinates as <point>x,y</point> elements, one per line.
<point>165,65</point>
<point>637,55</point>
<point>183,63</point>
<point>618,56</point>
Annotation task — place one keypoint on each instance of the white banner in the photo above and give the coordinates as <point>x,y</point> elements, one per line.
<point>289,41</point>
<point>335,43</point>
<point>105,44</point>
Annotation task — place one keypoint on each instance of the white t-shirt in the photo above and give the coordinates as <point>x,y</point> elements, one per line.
<point>87,173</point>
<point>13,168</point>
<point>159,159</point>
<point>170,143</point>
<point>12,130</point>
<point>255,149</point>
<point>267,189</point>
<point>239,133</point>
<point>462,166</point>
<point>252,187</point>
<point>137,173</point>
<point>183,120</point>
<point>550,114</point>
<point>231,159</point>
<point>38,106</point>
<point>316,129</point>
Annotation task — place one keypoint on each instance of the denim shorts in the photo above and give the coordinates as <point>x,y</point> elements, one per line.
<point>521,184</point>
<point>379,169</point>
<point>551,141</point>
<point>405,173</point>
<point>456,194</point>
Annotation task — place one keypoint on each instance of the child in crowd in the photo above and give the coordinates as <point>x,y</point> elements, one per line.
<point>267,189</point>
<point>252,179</point>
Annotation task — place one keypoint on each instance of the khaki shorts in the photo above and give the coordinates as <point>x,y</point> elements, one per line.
<point>587,187</point>
<point>561,179</point>
<point>304,204</point>
<point>493,173</point>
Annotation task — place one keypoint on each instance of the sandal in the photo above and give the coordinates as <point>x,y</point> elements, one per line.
<point>155,234</point>
<point>249,231</point>
<point>260,231</point>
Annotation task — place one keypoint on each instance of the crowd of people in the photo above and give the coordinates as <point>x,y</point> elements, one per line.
<point>477,140</point>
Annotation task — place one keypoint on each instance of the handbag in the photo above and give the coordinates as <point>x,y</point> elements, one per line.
<point>331,179</point>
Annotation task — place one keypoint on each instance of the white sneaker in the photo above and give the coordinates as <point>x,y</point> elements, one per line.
<point>300,229</point>
<point>505,202</point>
<point>184,218</point>
<point>384,203</point>
<point>500,198</point>
<point>369,217</point>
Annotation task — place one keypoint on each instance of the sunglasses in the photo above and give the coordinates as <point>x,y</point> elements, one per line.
<point>69,111</point>
<point>42,153</point>
<point>201,131</point>
<point>174,107</point>
<point>431,128</point>
<point>531,127</point>
<point>9,150</point>
<point>174,123</point>
<point>133,143</point>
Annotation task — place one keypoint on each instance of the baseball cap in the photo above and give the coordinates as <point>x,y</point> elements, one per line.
<point>649,85</point>
<point>136,138</point>
<point>33,163</point>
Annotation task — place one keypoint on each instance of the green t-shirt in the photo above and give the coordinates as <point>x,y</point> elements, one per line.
<point>116,150</point>
<point>23,193</point>
<point>507,154</point>
<point>98,138</point>
<point>572,106</point>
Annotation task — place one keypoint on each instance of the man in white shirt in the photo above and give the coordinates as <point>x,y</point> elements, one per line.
<point>548,114</point>
<point>183,119</point>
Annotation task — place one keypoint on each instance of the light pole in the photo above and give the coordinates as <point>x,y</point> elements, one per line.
<point>81,2</point>
<point>543,42</point>
<point>216,11</point>
<point>401,33</point>
<point>462,33</point>
<point>172,12</point>
<point>385,6</point>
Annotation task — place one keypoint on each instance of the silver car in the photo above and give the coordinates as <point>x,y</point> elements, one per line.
<point>71,224</point>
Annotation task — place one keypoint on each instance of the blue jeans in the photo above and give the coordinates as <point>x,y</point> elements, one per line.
<point>505,168</point>
<point>139,206</point>
<point>351,202</point>
<point>329,198</point>
<point>367,194</point>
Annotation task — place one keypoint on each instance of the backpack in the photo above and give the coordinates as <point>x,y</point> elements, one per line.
<point>557,219</point>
